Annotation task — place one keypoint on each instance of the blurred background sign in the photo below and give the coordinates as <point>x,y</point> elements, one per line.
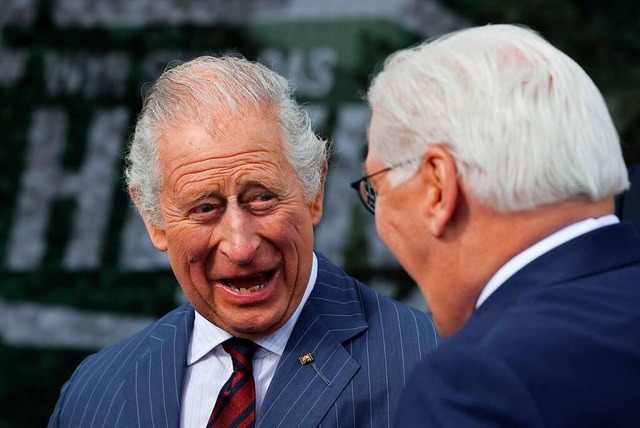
<point>77,271</point>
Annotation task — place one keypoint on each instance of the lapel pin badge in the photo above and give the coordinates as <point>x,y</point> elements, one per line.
<point>306,359</point>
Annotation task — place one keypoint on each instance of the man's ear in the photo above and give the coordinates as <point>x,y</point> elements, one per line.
<point>315,206</point>
<point>438,170</point>
<point>157,234</point>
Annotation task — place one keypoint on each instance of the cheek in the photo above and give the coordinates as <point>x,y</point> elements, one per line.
<point>187,239</point>
<point>385,226</point>
<point>390,230</point>
<point>188,246</point>
<point>291,236</point>
<point>290,228</point>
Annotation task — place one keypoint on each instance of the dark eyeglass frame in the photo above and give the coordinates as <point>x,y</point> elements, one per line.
<point>366,193</point>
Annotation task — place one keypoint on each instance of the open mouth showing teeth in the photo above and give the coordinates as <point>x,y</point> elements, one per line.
<point>248,284</point>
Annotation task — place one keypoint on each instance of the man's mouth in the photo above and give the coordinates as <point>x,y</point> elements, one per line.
<point>248,284</point>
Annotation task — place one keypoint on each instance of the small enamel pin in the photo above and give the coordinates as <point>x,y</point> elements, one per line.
<point>306,359</point>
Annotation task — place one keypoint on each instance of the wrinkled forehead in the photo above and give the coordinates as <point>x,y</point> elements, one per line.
<point>224,132</point>
<point>242,146</point>
<point>217,118</point>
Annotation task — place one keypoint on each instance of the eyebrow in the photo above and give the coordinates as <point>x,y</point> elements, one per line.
<point>278,186</point>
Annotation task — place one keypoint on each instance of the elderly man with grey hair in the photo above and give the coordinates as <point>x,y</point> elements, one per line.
<point>229,179</point>
<point>493,162</point>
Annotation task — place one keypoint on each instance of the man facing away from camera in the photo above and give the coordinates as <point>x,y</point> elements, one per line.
<point>229,179</point>
<point>495,163</point>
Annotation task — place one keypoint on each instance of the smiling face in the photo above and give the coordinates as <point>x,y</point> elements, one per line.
<point>237,228</point>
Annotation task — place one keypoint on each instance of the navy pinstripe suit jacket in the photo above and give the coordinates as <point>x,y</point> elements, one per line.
<point>364,346</point>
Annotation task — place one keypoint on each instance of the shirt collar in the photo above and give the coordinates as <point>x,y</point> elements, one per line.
<point>550,242</point>
<point>206,335</point>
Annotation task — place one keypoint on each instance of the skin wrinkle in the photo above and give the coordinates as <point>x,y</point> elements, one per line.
<point>214,175</point>
<point>218,190</point>
<point>240,235</point>
<point>231,163</point>
<point>202,93</point>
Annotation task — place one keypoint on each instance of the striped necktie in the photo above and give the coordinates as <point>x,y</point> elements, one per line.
<point>236,403</point>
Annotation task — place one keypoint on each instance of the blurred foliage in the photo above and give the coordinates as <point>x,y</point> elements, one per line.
<point>603,37</point>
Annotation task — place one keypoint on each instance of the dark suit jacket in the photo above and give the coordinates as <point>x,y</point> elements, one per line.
<point>557,345</point>
<point>628,202</point>
<point>364,346</point>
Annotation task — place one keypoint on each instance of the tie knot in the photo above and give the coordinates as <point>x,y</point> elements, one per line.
<point>241,351</point>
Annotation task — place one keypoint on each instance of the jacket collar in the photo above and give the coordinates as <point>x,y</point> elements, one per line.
<point>600,250</point>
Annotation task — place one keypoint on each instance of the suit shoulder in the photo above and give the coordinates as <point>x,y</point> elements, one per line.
<point>334,277</point>
<point>116,358</point>
<point>374,299</point>
<point>119,348</point>
<point>381,312</point>
<point>98,382</point>
<point>385,311</point>
<point>565,342</point>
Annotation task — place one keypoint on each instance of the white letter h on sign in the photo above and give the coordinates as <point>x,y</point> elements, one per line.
<point>44,181</point>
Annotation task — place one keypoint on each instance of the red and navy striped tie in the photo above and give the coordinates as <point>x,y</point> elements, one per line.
<point>236,404</point>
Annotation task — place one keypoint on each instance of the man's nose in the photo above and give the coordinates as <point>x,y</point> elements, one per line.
<point>238,240</point>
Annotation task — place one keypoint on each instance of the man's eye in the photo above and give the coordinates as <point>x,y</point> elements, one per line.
<point>205,208</point>
<point>265,197</point>
<point>262,202</point>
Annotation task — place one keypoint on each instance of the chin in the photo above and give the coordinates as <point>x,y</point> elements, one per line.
<point>255,329</point>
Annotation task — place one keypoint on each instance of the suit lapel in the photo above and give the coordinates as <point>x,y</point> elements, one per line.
<point>154,384</point>
<point>302,394</point>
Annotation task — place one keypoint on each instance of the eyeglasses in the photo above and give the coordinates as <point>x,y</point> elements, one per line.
<point>363,186</point>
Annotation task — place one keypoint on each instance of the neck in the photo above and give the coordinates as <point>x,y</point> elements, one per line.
<point>483,240</point>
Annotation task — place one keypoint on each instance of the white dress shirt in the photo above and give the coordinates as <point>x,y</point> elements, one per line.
<point>209,366</point>
<point>547,244</point>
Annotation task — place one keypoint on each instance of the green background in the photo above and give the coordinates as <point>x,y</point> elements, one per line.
<point>604,37</point>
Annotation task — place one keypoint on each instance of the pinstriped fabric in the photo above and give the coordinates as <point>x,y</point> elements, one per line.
<point>136,382</point>
<point>364,347</point>
<point>385,378</point>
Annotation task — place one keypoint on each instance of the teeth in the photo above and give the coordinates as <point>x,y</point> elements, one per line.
<point>249,289</point>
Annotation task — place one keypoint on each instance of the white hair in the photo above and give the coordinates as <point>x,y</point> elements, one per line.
<point>525,124</point>
<point>201,89</point>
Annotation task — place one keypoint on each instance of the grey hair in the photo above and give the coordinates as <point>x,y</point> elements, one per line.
<point>525,123</point>
<point>202,87</point>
